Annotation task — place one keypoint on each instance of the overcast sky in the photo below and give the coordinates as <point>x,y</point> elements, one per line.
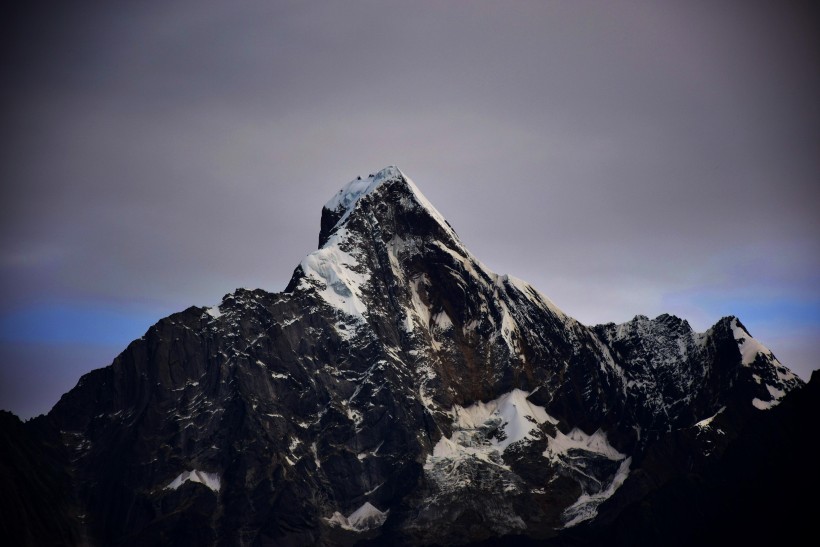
<point>623,157</point>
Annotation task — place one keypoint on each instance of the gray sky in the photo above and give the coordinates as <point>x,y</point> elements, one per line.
<point>624,157</point>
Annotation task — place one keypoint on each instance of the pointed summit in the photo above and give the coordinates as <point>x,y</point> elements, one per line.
<point>374,225</point>
<point>390,187</point>
<point>345,199</point>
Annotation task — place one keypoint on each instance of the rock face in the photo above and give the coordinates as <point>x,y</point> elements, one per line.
<point>398,392</point>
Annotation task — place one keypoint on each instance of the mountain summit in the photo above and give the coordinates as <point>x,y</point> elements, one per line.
<point>397,391</point>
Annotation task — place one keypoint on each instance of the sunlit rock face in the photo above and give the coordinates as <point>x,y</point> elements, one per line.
<point>396,391</point>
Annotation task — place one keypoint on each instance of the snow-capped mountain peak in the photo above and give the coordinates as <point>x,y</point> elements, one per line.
<point>397,391</point>
<point>387,186</point>
<point>346,198</point>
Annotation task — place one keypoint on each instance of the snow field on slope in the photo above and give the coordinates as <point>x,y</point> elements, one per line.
<point>518,420</point>
<point>578,440</point>
<point>353,191</point>
<point>519,417</point>
<point>476,438</point>
<point>364,518</point>
<point>749,350</point>
<point>749,347</point>
<point>334,270</point>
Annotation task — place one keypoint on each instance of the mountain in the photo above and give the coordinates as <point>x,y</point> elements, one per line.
<point>399,392</point>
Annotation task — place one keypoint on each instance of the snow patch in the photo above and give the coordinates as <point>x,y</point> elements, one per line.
<point>785,375</point>
<point>482,432</point>
<point>578,440</point>
<point>366,517</point>
<point>352,414</point>
<point>442,320</point>
<point>333,272</point>
<point>344,331</point>
<point>748,346</point>
<point>764,405</point>
<point>564,450</point>
<point>586,506</point>
<point>509,328</point>
<point>315,453</point>
<point>707,423</point>
<point>294,442</point>
<point>359,187</point>
<point>516,416</point>
<point>214,312</point>
<point>776,394</point>
<point>422,311</point>
<point>347,198</point>
<point>211,480</point>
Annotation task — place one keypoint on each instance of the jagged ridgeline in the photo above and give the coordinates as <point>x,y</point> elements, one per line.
<point>397,392</point>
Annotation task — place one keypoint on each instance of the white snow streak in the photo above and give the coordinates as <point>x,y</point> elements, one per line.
<point>586,506</point>
<point>707,423</point>
<point>211,480</point>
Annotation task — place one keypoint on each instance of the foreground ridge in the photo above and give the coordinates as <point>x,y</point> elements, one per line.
<point>396,391</point>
